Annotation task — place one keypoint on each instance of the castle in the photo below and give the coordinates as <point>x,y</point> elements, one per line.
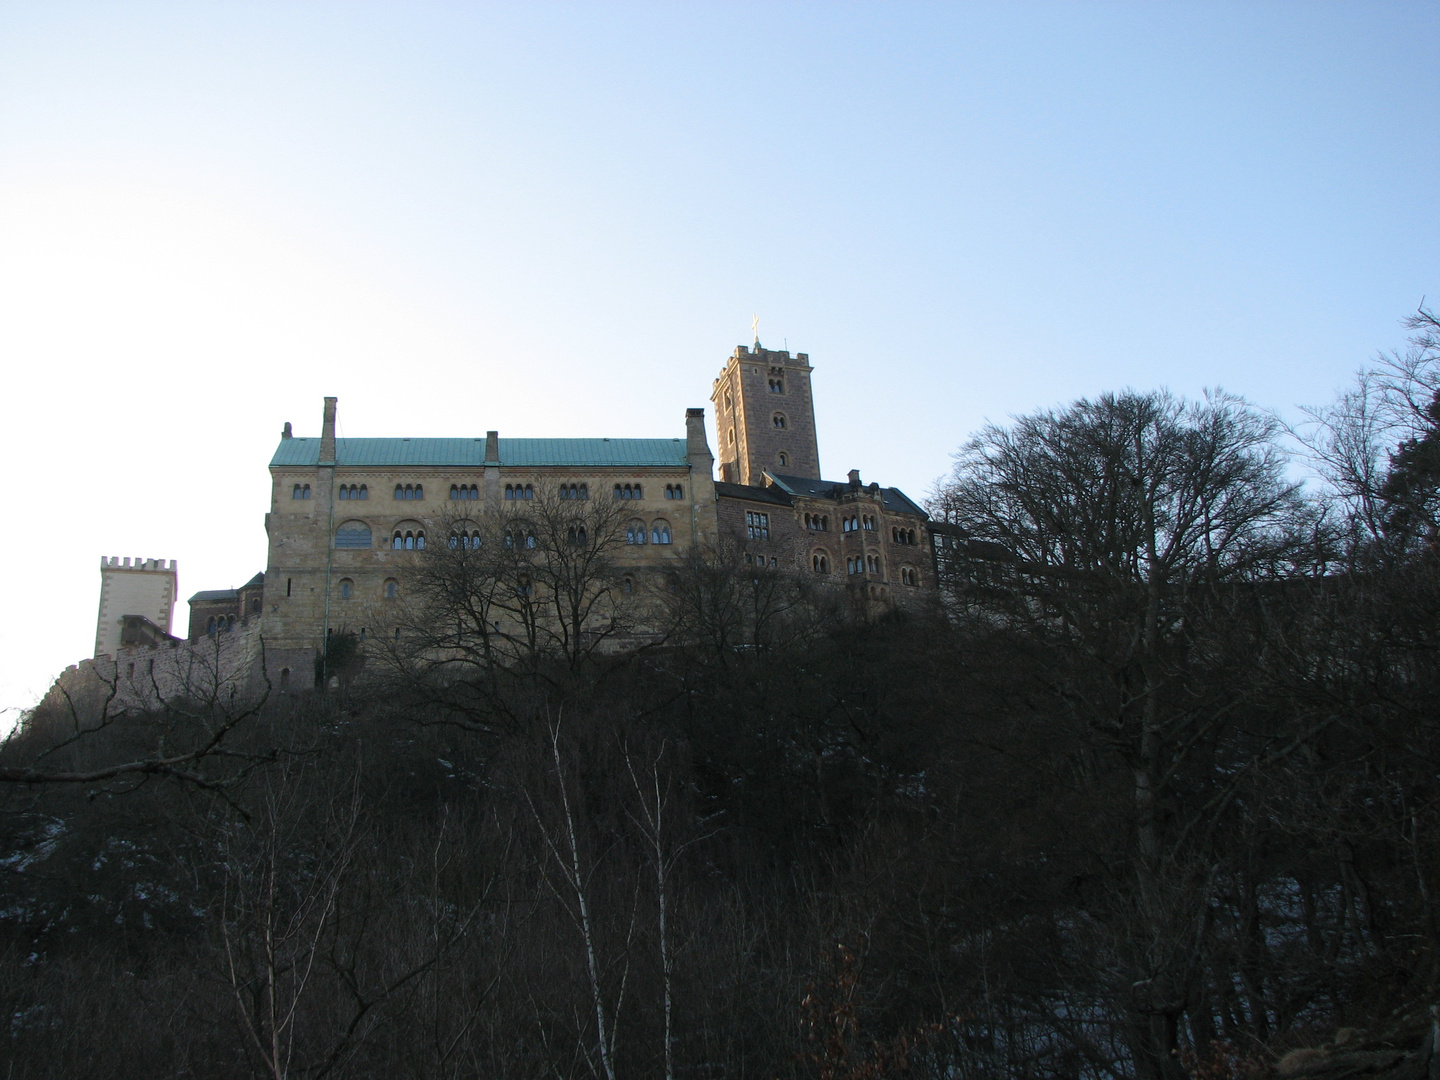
<point>347,514</point>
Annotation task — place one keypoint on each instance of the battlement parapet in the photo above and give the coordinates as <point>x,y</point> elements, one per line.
<point>114,562</point>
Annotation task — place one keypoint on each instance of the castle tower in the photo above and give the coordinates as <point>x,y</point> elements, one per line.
<point>765,416</point>
<point>145,590</point>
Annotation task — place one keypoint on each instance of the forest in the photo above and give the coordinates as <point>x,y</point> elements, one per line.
<point>1151,792</point>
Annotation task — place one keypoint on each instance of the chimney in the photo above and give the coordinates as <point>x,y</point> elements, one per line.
<point>854,478</point>
<point>285,431</point>
<point>327,433</point>
<point>697,447</point>
<point>492,448</point>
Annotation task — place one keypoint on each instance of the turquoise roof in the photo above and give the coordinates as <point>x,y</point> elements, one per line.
<point>470,453</point>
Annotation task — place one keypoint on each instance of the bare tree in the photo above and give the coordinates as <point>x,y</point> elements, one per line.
<point>1124,536</point>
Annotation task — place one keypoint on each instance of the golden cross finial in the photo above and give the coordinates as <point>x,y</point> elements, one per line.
<point>755,327</point>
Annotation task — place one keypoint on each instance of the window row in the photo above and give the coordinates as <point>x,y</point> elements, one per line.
<point>658,533</point>
<point>902,536</point>
<point>471,492</point>
<point>856,522</point>
<point>861,564</point>
<point>817,522</point>
<point>390,590</point>
<point>757,525</point>
<point>909,576</point>
<point>219,624</point>
<point>759,560</point>
<point>409,540</point>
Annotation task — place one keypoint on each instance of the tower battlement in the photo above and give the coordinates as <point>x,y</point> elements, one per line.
<point>113,562</point>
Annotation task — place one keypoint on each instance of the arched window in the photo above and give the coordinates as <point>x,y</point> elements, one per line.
<point>364,491</point>
<point>409,541</point>
<point>344,492</point>
<point>420,540</point>
<point>353,534</point>
<point>784,459</point>
<point>674,491</point>
<point>392,590</point>
<point>296,493</point>
<point>627,585</point>
<point>230,623</point>
<point>777,384</point>
<point>305,492</point>
<point>346,588</point>
<point>399,491</point>
<point>660,533</point>
<point>910,537</point>
<point>820,562</point>
<point>635,532</point>
<point>397,542</point>
<point>732,436</point>
<point>455,492</point>
<point>778,420</point>
<point>210,625</point>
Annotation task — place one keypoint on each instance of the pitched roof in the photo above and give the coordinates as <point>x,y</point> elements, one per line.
<point>215,594</point>
<point>470,453</point>
<point>892,499</point>
<point>771,495</point>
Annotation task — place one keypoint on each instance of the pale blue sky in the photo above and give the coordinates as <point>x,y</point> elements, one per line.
<point>558,219</point>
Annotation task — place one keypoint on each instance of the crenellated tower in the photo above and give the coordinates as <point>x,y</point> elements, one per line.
<point>765,416</point>
<point>143,593</point>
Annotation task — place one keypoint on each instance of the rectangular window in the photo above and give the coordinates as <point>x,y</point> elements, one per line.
<point>757,525</point>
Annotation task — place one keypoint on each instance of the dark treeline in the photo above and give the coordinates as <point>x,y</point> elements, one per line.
<point>1151,792</point>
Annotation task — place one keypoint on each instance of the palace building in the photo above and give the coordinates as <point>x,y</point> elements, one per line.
<point>347,514</point>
